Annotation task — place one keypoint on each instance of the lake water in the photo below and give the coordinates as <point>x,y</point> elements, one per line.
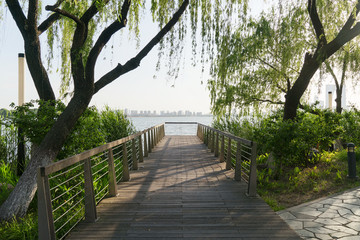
<point>142,123</point>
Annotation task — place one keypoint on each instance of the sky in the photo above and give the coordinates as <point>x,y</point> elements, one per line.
<point>136,90</point>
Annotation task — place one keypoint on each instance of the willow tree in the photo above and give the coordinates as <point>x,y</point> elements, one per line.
<point>83,28</point>
<point>259,63</point>
<point>343,15</point>
<point>344,64</point>
<point>327,28</point>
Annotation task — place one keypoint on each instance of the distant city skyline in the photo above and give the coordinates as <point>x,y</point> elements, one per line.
<point>150,113</point>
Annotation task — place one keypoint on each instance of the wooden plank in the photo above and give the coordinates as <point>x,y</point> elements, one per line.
<point>182,191</point>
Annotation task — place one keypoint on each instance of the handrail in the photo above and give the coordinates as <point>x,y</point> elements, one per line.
<point>112,163</point>
<point>94,174</point>
<point>181,122</point>
<point>239,154</point>
<point>229,135</point>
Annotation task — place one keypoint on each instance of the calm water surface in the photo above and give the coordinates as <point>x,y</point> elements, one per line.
<point>142,123</point>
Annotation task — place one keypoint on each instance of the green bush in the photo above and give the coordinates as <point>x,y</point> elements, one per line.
<point>3,148</point>
<point>36,122</point>
<point>85,135</point>
<point>8,141</point>
<point>350,122</point>
<point>243,127</point>
<point>115,125</point>
<point>297,142</point>
<point>92,129</point>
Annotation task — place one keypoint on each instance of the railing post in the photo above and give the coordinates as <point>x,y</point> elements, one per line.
<point>152,138</point>
<point>209,139</point>
<point>202,132</point>
<point>217,145</point>
<point>252,177</point>
<point>206,137</point>
<point>90,205</point>
<point>199,131</point>
<point>149,142</point>
<point>46,227</point>
<point>134,158</point>
<point>222,150</point>
<point>163,130</point>
<point>141,155</point>
<point>212,141</point>
<point>146,154</point>
<point>112,175</point>
<point>156,136</point>
<point>238,166</point>
<point>228,155</point>
<point>126,174</point>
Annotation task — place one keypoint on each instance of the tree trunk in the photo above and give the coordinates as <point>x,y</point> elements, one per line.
<point>294,95</point>
<point>18,201</point>
<point>338,100</point>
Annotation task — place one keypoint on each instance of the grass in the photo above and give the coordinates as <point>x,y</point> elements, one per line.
<point>17,229</point>
<point>25,228</point>
<point>298,185</point>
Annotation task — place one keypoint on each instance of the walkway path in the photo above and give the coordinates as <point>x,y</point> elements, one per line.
<point>334,217</point>
<point>182,192</point>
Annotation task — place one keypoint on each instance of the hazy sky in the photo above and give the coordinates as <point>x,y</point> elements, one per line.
<point>136,90</point>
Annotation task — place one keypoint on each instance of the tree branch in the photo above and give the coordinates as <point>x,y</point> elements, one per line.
<point>273,67</point>
<point>105,37</point>
<point>280,88</point>
<point>58,3</point>
<point>93,10</point>
<point>352,18</point>
<point>344,69</point>
<point>51,19</point>
<point>135,62</point>
<point>18,15</point>
<point>254,99</point>
<point>48,22</point>
<point>319,28</point>
<point>331,71</point>
<point>64,13</point>
<point>32,12</point>
<point>341,39</point>
<point>288,84</point>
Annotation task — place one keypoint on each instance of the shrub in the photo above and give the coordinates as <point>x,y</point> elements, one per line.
<point>115,125</point>
<point>350,122</point>
<point>93,128</point>
<point>297,142</point>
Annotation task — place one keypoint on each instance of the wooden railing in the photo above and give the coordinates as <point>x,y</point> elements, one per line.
<point>70,189</point>
<point>239,154</point>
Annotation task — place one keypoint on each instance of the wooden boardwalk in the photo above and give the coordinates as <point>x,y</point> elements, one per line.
<point>181,191</point>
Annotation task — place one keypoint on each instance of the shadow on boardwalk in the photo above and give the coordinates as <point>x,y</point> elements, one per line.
<point>182,192</point>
